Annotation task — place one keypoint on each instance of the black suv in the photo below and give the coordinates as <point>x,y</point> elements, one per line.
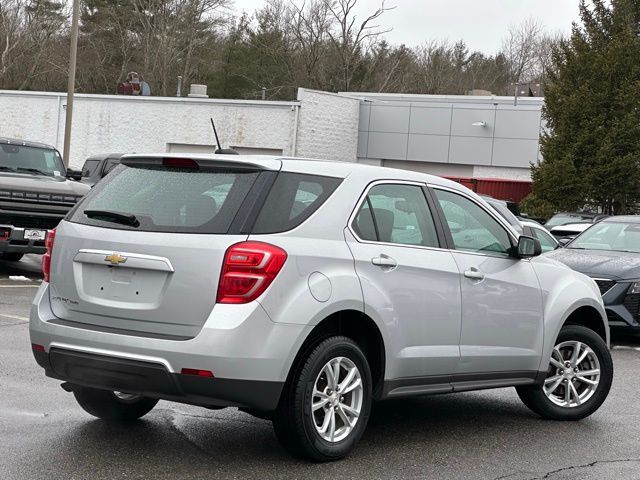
<point>95,168</point>
<point>36,192</point>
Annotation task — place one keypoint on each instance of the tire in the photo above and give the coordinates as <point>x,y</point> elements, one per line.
<point>555,405</point>
<point>113,406</point>
<point>12,257</point>
<point>296,427</point>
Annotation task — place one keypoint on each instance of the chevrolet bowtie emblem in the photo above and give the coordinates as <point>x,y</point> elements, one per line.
<point>115,259</point>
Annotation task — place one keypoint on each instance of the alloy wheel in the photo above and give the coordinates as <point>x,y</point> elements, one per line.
<point>573,375</point>
<point>337,399</point>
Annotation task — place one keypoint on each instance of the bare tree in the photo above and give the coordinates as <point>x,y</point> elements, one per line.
<point>12,20</point>
<point>521,50</point>
<point>350,37</point>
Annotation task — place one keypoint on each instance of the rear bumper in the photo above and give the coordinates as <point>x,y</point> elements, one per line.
<point>248,353</point>
<point>154,380</point>
<point>16,243</point>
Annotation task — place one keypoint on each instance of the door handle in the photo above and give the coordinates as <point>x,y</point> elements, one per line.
<point>474,274</point>
<point>384,261</point>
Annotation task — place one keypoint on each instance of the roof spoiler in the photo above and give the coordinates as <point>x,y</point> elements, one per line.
<point>197,163</point>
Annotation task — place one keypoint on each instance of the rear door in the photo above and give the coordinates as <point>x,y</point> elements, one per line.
<point>160,275</point>
<point>409,282</point>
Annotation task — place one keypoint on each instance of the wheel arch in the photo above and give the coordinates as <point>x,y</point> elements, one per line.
<point>356,325</point>
<point>588,316</point>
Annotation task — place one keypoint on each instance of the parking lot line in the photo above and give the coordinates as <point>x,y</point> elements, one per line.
<point>15,317</point>
<point>19,286</point>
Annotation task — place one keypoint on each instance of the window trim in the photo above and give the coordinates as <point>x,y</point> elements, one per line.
<point>440,234</point>
<point>513,237</point>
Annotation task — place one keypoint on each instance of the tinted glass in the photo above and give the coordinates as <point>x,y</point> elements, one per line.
<point>472,228</point>
<point>89,167</point>
<point>20,158</point>
<point>396,214</point>
<point>363,223</point>
<point>110,165</point>
<point>546,241</point>
<point>293,198</point>
<point>169,200</point>
<point>621,237</point>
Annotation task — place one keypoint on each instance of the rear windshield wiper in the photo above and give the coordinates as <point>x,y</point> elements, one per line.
<point>6,169</point>
<point>31,170</point>
<point>112,216</point>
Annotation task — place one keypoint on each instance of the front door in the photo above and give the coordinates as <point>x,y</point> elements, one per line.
<point>502,319</point>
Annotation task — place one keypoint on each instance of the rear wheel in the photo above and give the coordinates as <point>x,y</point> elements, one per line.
<point>118,406</point>
<point>12,257</point>
<point>325,407</point>
<point>578,378</point>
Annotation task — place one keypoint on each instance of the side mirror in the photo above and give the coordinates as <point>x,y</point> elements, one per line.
<point>528,247</point>
<point>563,242</point>
<point>74,174</point>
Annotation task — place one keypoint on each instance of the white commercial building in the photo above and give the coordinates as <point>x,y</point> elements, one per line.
<point>460,136</point>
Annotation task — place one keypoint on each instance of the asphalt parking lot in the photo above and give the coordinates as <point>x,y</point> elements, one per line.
<point>479,435</point>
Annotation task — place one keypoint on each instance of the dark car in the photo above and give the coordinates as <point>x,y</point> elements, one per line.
<point>609,252</point>
<point>97,167</point>
<point>565,218</point>
<point>36,192</point>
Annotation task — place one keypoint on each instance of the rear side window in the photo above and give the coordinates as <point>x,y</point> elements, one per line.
<point>395,213</point>
<point>89,167</point>
<point>293,198</point>
<point>110,165</point>
<point>169,200</point>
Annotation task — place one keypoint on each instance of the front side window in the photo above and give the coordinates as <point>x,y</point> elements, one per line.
<point>396,213</point>
<point>471,227</point>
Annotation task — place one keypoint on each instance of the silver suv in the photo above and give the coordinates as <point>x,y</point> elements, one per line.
<point>301,291</point>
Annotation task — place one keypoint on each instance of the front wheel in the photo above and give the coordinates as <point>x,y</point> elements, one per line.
<point>578,379</point>
<point>325,407</point>
<point>117,406</point>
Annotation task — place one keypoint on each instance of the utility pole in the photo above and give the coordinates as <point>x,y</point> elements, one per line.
<point>73,53</point>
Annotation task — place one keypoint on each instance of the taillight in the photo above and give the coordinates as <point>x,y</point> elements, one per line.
<point>46,258</point>
<point>248,269</point>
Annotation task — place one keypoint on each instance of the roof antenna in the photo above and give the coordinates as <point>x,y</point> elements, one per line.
<point>220,150</point>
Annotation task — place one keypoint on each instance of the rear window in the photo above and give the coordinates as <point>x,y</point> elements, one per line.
<point>293,198</point>
<point>169,200</point>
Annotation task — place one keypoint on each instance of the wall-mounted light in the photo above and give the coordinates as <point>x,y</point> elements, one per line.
<point>479,124</point>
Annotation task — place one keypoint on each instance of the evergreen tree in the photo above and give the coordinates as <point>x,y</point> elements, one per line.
<point>591,149</point>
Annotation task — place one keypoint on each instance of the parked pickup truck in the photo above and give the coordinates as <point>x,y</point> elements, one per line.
<point>36,192</point>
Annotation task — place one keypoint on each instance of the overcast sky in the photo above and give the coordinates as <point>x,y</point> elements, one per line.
<point>481,23</point>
